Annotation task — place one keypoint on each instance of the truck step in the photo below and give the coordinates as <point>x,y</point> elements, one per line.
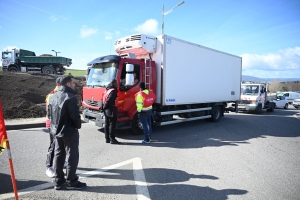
<point>183,111</point>
<point>181,120</point>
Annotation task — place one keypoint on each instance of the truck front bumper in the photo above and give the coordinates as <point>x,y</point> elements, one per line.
<point>247,107</point>
<point>94,117</point>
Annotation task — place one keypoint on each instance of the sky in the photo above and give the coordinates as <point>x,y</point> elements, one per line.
<point>265,33</point>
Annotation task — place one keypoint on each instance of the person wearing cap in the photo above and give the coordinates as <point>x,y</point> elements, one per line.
<point>50,154</point>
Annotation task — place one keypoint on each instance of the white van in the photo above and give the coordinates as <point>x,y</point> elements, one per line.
<point>290,96</point>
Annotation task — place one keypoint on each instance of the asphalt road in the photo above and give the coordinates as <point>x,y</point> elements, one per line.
<point>243,156</point>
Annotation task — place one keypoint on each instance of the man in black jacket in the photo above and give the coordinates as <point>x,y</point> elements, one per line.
<point>65,121</point>
<point>110,112</point>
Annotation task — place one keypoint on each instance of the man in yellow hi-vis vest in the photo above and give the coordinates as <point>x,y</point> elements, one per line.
<point>144,100</point>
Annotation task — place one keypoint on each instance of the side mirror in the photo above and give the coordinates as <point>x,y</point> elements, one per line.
<point>129,75</point>
<point>129,79</point>
<point>129,67</point>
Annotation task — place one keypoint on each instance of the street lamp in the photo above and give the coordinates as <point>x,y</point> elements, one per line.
<point>167,12</point>
<point>56,52</point>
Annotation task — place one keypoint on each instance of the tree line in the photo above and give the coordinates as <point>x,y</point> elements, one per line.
<point>276,86</point>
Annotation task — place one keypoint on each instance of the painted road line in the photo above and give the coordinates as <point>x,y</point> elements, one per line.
<point>138,174</point>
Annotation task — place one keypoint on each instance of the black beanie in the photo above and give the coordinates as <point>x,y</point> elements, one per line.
<point>142,85</point>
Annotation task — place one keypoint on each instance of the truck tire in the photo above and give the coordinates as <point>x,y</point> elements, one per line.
<point>48,70</point>
<point>136,125</point>
<point>286,106</point>
<point>216,114</point>
<point>13,68</point>
<point>259,108</point>
<point>272,108</point>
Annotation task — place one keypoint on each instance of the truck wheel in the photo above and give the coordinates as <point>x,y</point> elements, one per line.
<point>136,125</point>
<point>271,107</point>
<point>216,114</point>
<point>48,70</point>
<point>259,108</point>
<point>13,69</point>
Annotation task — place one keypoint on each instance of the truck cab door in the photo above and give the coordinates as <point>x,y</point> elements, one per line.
<point>126,101</point>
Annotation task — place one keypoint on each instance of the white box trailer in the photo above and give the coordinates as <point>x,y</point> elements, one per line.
<point>189,73</point>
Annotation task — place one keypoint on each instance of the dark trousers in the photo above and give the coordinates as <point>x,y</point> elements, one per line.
<point>66,148</point>
<point>50,154</point>
<point>110,125</point>
<point>145,119</point>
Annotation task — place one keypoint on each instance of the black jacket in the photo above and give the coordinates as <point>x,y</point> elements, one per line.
<point>109,107</point>
<point>63,112</point>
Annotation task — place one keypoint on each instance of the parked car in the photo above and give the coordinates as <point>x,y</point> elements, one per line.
<point>281,102</point>
<point>290,96</point>
<point>296,103</point>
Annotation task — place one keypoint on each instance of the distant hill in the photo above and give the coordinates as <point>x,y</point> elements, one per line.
<point>256,79</point>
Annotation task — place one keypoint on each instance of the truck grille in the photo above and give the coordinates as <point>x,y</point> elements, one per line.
<point>92,103</point>
<point>245,102</point>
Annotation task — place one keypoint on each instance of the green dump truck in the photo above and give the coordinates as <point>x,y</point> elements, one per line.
<point>26,61</point>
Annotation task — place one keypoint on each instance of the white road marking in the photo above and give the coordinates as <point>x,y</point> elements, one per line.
<point>138,174</point>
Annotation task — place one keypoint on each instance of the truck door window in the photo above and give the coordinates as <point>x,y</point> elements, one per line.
<point>6,55</point>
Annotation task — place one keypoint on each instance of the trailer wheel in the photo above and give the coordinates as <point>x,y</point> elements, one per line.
<point>136,125</point>
<point>216,114</point>
<point>48,70</point>
<point>13,69</point>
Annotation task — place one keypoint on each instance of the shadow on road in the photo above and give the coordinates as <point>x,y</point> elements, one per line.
<point>232,130</point>
<point>6,183</point>
<point>163,184</point>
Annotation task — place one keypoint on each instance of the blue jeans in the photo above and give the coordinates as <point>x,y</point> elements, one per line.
<point>145,119</point>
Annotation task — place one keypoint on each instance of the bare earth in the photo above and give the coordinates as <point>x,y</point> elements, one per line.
<point>23,95</point>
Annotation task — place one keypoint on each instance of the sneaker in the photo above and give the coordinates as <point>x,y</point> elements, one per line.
<point>78,186</point>
<point>114,141</point>
<point>59,186</point>
<point>50,172</point>
<point>145,141</point>
<point>65,165</point>
<point>107,140</point>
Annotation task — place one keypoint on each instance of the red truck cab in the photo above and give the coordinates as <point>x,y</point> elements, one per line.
<point>102,71</point>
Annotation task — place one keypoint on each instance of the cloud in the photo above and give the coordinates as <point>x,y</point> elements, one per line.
<point>148,27</point>
<point>282,60</point>
<point>10,48</point>
<point>86,32</point>
<point>36,8</point>
<point>108,35</point>
<point>53,18</point>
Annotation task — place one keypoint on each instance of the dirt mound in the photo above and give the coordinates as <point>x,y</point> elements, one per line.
<point>23,95</point>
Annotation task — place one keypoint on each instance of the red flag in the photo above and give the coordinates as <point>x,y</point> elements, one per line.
<point>3,135</point>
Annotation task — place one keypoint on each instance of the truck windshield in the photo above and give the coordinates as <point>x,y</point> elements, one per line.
<point>102,73</point>
<point>6,55</point>
<point>250,89</point>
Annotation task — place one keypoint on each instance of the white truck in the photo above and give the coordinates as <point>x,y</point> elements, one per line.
<point>255,97</point>
<point>190,81</point>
